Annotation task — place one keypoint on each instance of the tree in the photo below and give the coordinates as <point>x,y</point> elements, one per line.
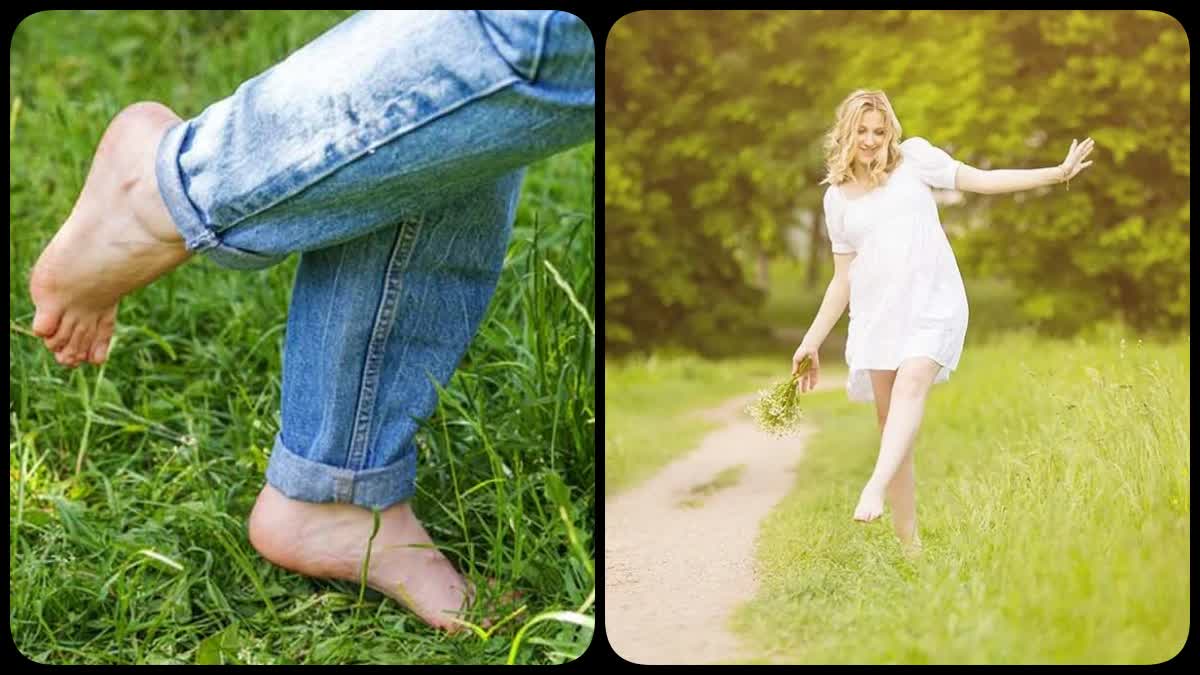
<point>714,123</point>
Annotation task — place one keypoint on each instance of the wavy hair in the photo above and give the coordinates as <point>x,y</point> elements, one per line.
<point>840,140</point>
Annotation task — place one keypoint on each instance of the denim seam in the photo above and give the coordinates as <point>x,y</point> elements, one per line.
<point>385,319</point>
<point>290,191</point>
<point>538,52</point>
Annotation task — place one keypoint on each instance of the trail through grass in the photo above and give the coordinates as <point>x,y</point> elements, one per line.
<point>1053,500</point>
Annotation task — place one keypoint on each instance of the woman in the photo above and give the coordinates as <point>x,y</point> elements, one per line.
<point>894,265</point>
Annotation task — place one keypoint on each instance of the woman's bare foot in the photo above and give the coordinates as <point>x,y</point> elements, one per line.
<point>912,547</point>
<point>118,238</point>
<point>870,504</point>
<point>330,541</point>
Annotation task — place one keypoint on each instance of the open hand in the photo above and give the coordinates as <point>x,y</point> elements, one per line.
<point>1075,156</point>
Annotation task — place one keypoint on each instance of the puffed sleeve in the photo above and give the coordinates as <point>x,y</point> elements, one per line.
<point>935,167</point>
<point>834,224</point>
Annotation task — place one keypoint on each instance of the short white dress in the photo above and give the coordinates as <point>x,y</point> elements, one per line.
<point>906,292</point>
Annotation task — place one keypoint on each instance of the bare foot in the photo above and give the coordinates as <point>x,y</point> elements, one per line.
<point>870,504</point>
<point>330,541</point>
<point>912,548</point>
<point>118,238</point>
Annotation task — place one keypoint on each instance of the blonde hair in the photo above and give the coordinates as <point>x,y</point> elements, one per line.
<point>840,143</point>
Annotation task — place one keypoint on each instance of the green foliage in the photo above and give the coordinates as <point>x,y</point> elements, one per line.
<point>714,123</point>
<point>1117,245</point>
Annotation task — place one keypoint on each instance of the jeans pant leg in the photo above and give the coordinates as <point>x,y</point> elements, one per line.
<point>373,323</point>
<point>373,118</point>
<point>389,152</point>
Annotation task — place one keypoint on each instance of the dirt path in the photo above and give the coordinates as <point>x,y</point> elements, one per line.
<point>673,574</point>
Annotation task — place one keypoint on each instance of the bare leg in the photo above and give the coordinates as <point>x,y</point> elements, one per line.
<point>901,492</point>
<point>902,497</point>
<point>905,410</point>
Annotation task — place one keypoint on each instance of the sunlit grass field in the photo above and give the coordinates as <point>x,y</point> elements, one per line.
<point>1053,503</point>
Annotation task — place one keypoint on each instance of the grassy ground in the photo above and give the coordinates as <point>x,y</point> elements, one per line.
<point>1053,500</point>
<point>130,483</point>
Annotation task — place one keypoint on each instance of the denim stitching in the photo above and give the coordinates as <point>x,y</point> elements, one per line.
<point>384,320</point>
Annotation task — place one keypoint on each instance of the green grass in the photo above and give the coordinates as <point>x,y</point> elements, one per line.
<point>141,556</point>
<point>1054,505</point>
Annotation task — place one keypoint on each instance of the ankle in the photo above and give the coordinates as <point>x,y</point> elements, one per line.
<point>906,531</point>
<point>151,212</point>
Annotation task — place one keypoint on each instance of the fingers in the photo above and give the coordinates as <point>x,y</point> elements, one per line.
<point>1080,149</point>
<point>1085,148</point>
<point>808,381</point>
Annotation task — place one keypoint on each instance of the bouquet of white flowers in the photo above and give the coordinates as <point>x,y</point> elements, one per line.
<point>777,410</point>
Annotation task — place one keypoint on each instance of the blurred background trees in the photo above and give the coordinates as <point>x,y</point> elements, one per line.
<point>714,124</point>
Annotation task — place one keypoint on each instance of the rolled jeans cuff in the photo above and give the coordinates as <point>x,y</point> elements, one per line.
<point>309,481</point>
<point>197,236</point>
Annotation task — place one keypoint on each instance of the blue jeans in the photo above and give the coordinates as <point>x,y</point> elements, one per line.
<point>389,152</point>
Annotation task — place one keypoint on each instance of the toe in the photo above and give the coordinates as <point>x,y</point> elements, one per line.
<point>81,341</point>
<point>66,328</point>
<point>104,331</point>
<point>99,352</point>
<point>46,321</point>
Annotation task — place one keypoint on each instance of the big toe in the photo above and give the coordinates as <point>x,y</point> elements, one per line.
<point>46,320</point>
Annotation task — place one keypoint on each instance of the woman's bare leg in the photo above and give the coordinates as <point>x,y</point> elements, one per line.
<point>901,492</point>
<point>906,407</point>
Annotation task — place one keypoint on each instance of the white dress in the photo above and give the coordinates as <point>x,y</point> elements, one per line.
<point>906,292</point>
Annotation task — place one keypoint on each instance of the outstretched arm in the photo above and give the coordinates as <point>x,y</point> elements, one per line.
<point>1000,181</point>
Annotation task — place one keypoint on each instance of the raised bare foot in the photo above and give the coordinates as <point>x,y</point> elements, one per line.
<point>870,504</point>
<point>118,238</point>
<point>330,541</point>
